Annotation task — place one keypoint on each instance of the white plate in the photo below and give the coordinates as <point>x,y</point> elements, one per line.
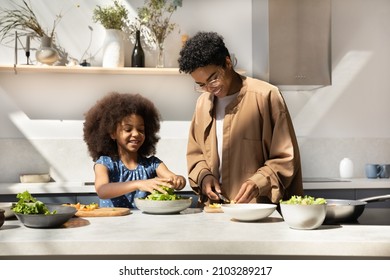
<point>248,211</point>
<point>163,206</point>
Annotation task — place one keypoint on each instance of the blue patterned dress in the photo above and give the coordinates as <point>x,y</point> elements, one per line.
<point>118,172</point>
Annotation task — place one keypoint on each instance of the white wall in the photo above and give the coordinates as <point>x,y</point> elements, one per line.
<point>348,118</point>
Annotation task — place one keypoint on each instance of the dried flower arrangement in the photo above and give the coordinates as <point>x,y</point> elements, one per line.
<point>23,18</point>
<point>156,15</point>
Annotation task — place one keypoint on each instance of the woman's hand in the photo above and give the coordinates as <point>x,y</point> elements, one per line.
<point>247,192</point>
<point>209,184</point>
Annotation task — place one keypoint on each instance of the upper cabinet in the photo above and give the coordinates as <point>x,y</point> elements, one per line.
<point>299,41</point>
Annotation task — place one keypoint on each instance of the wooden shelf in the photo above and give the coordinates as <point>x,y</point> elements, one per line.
<point>88,70</point>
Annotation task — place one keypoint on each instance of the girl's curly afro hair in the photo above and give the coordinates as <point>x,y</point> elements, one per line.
<point>204,48</point>
<point>102,119</point>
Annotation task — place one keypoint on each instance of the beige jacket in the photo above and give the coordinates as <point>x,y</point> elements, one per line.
<point>259,144</point>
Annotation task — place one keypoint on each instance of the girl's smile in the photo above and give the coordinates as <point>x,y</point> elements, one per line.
<point>130,134</point>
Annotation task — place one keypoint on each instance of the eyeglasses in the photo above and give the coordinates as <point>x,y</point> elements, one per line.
<point>214,83</point>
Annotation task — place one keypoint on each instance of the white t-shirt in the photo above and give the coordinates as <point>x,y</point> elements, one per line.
<point>220,105</point>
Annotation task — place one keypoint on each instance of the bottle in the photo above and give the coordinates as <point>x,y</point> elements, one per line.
<point>138,57</point>
<point>346,168</point>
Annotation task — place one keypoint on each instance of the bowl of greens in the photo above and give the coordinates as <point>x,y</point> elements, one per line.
<point>35,214</point>
<point>303,212</point>
<point>160,203</point>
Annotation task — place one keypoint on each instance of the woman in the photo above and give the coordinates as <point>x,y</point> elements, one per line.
<point>242,142</point>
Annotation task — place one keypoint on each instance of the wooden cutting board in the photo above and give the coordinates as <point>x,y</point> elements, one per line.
<point>104,212</point>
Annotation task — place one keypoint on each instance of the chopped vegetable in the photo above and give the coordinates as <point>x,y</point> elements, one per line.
<point>170,195</point>
<point>306,200</point>
<point>27,204</point>
<point>215,205</point>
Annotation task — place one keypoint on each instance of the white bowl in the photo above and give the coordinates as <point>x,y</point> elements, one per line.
<point>163,206</point>
<point>6,206</point>
<point>299,216</point>
<point>248,211</point>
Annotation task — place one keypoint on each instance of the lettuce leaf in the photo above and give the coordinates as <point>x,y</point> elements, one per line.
<point>27,204</point>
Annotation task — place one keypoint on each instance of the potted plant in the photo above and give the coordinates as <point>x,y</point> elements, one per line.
<point>114,19</point>
<point>111,17</point>
<point>155,15</point>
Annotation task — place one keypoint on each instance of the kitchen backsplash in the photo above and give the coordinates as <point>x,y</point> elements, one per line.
<point>68,159</point>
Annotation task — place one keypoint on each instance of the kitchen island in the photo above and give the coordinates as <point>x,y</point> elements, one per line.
<point>194,234</point>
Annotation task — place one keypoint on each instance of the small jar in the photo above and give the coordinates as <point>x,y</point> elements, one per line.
<point>346,168</point>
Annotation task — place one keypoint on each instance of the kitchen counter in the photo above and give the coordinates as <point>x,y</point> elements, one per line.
<point>194,234</point>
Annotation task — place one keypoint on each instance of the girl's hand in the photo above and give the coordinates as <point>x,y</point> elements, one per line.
<point>155,184</point>
<point>178,182</point>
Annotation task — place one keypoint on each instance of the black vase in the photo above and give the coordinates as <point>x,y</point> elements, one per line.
<point>138,56</point>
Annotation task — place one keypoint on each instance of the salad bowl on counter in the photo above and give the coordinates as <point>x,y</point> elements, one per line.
<point>304,213</point>
<point>59,215</point>
<point>36,214</point>
<point>163,206</point>
<point>163,203</point>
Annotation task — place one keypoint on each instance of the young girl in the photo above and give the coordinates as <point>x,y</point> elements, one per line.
<point>121,134</point>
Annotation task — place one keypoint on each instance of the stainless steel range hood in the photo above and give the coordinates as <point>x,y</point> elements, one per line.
<point>292,43</point>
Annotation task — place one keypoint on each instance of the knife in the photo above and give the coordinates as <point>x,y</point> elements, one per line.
<point>223,198</point>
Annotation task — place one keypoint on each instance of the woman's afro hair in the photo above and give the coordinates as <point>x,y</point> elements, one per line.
<point>102,120</point>
<point>204,48</point>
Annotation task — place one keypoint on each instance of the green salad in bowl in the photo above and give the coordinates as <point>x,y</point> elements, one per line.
<point>170,195</point>
<point>305,200</point>
<point>303,212</point>
<point>163,203</point>
<point>35,214</point>
<point>27,204</point>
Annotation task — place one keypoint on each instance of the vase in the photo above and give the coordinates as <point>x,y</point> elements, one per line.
<point>46,54</point>
<point>346,168</point>
<point>160,55</point>
<point>113,49</point>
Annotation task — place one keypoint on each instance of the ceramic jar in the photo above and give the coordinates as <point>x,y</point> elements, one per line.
<point>346,168</point>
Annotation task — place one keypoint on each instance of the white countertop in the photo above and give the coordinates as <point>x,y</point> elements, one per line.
<point>192,233</point>
<point>81,187</point>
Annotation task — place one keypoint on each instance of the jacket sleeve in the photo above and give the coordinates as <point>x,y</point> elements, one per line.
<point>196,162</point>
<point>282,168</point>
